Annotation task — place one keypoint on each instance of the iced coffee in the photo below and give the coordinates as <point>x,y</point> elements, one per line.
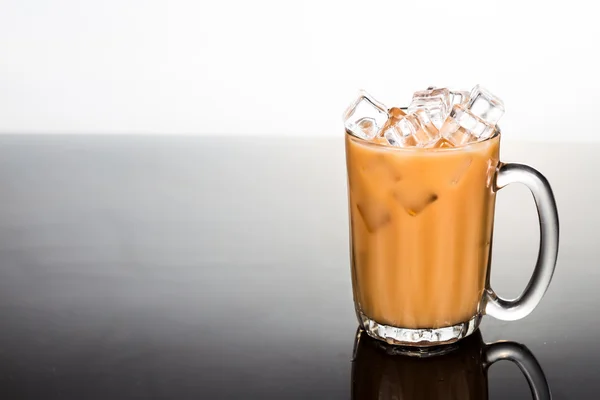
<point>421,202</point>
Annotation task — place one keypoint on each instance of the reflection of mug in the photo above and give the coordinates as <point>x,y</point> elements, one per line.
<point>421,233</point>
<point>380,372</point>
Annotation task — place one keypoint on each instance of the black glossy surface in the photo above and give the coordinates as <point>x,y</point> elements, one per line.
<point>181,267</point>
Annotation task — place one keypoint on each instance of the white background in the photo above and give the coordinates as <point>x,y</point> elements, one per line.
<point>289,67</point>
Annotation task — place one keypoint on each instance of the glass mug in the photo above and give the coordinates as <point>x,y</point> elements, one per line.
<point>379,372</point>
<point>421,223</point>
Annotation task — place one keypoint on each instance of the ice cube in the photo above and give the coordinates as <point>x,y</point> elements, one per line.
<point>396,113</point>
<point>485,105</point>
<point>436,102</point>
<point>462,127</point>
<point>401,133</point>
<point>428,131</point>
<point>456,170</point>
<point>442,143</point>
<point>374,214</point>
<point>380,169</point>
<point>413,199</point>
<point>459,97</point>
<point>415,129</point>
<point>367,127</point>
<point>365,117</point>
<point>460,169</point>
<point>474,121</point>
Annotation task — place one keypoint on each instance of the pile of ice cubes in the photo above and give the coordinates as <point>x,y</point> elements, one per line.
<point>436,117</point>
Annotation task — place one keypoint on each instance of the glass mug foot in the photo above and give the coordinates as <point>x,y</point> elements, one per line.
<point>425,337</point>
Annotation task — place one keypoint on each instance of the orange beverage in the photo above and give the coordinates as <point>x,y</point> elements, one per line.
<point>421,230</point>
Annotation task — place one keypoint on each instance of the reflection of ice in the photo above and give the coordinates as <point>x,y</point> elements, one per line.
<point>414,199</point>
<point>387,388</point>
<point>374,214</point>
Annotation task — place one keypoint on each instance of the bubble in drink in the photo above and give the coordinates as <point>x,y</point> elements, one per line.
<point>474,121</point>
<point>365,117</point>
<point>415,129</point>
<point>436,102</point>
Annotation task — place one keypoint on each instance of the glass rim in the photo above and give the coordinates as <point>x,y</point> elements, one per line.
<point>496,134</point>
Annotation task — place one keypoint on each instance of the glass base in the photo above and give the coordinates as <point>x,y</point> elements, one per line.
<point>426,337</point>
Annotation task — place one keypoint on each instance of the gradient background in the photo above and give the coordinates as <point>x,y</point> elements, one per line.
<point>271,67</point>
<point>139,263</point>
<point>186,267</point>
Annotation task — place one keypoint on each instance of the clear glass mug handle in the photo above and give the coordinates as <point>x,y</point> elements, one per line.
<point>526,362</point>
<point>510,310</point>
